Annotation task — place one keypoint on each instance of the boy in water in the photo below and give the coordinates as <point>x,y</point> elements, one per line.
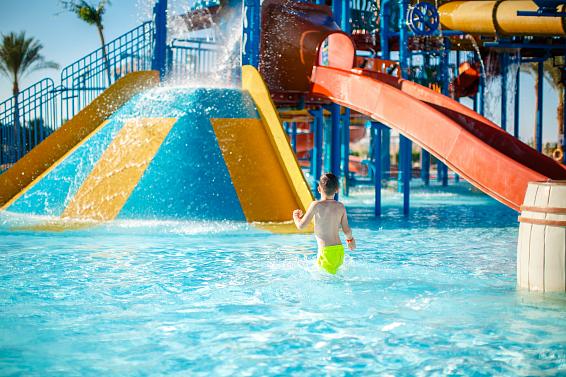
<point>328,215</point>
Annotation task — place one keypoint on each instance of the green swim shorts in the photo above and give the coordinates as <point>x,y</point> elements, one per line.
<point>331,257</point>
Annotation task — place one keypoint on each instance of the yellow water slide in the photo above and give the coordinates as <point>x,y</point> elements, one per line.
<point>264,170</point>
<point>66,139</point>
<point>499,18</point>
<point>131,159</point>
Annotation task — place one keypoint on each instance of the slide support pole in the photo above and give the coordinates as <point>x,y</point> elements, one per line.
<point>481,92</point>
<point>504,69</point>
<point>251,32</point>
<point>404,143</point>
<point>517,113</point>
<point>458,62</point>
<point>158,61</point>
<point>335,140</point>
<point>540,86</point>
<point>384,14</point>
<point>317,150</point>
<point>475,103</point>
<point>346,151</point>
<point>386,151</point>
<point>425,167</point>
<point>406,146</point>
<point>446,91</point>
<point>376,133</point>
<point>294,136</point>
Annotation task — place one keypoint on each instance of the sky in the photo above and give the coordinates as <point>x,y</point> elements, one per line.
<point>66,39</point>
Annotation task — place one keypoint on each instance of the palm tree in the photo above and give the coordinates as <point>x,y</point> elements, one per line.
<point>92,15</point>
<point>553,75</point>
<point>20,56</point>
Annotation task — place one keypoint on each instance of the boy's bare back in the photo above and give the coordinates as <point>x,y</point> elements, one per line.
<point>328,214</point>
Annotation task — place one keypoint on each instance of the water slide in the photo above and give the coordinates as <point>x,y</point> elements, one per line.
<point>163,154</point>
<point>500,18</point>
<point>486,156</point>
<point>319,57</point>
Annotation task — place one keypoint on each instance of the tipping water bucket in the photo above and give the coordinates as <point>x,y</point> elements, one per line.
<point>541,251</point>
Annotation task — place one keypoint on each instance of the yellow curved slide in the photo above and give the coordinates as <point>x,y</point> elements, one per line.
<point>63,141</point>
<point>264,170</point>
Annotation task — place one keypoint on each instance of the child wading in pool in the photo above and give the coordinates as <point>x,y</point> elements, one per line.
<point>328,216</point>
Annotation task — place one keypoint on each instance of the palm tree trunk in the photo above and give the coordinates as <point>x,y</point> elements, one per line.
<point>16,115</point>
<point>104,53</point>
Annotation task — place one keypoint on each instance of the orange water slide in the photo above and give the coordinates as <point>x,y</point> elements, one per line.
<point>478,150</point>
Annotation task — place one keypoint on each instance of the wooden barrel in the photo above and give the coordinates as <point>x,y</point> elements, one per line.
<point>541,251</point>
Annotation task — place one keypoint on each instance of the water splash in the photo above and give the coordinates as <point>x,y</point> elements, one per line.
<point>478,53</point>
<point>209,57</point>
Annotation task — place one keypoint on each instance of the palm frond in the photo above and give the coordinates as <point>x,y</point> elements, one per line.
<point>20,55</point>
<point>87,11</point>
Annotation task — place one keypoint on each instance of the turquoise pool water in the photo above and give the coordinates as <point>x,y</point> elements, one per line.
<point>431,295</point>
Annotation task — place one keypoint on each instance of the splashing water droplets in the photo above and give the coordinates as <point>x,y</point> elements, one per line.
<point>208,57</point>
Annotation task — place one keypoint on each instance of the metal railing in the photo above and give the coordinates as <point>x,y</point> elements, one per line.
<point>37,111</point>
<point>27,119</point>
<point>85,79</point>
<point>190,59</point>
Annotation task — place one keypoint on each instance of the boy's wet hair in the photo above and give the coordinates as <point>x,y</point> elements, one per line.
<point>328,183</point>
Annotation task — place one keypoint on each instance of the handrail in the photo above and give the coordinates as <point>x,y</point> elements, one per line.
<point>26,119</point>
<point>40,109</point>
<point>89,76</point>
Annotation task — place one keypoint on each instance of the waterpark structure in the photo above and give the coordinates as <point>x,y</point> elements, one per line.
<point>315,76</point>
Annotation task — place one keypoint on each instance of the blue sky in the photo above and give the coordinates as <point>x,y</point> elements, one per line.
<point>65,39</point>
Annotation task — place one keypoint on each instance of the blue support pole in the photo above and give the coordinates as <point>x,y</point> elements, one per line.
<point>251,32</point>
<point>481,92</point>
<point>384,14</point>
<point>425,167</point>
<point>386,151</point>
<point>404,143</point>
<point>400,164</point>
<point>335,140</point>
<point>504,69</point>
<point>517,112</point>
<point>316,158</point>
<point>458,62</point>
<point>376,133</point>
<point>169,60</point>
<point>475,102</point>
<point>540,86</point>
<point>406,146</point>
<point>337,11</point>
<point>312,127</point>
<point>346,151</point>
<point>341,12</point>
<point>445,87</point>
<point>159,59</point>
<point>294,136</point>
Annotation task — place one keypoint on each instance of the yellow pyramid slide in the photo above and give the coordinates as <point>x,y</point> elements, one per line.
<point>264,170</point>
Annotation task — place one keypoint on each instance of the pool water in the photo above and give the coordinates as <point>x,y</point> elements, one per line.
<point>433,294</point>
